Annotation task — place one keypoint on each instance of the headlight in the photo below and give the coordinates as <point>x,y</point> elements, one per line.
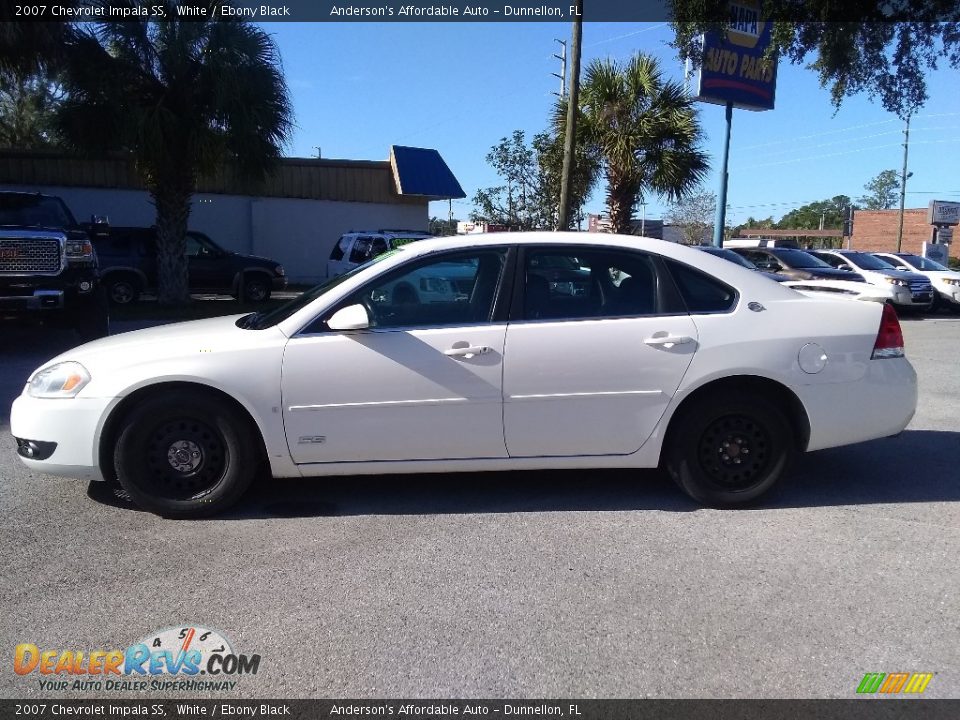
<point>63,380</point>
<point>77,249</point>
<point>279,270</point>
<point>897,281</point>
<point>951,281</point>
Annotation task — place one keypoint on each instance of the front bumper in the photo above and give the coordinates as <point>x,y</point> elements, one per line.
<point>879,405</point>
<point>73,425</point>
<point>904,298</point>
<point>949,294</point>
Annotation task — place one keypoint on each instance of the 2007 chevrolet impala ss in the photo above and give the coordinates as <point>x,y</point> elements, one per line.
<point>509,351</point>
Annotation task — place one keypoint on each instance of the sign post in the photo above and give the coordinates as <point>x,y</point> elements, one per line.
<point>735,73</point>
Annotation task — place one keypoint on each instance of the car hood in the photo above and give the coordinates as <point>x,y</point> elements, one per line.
<point>165,341</point>
<point>902,275</point>
<point>254,258</point>
<point>833,273</point>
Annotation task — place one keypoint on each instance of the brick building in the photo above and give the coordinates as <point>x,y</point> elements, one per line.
<point>876,231</point>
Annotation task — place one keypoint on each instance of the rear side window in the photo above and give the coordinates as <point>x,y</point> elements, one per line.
<point>702,293</point>
<point>340,249</point>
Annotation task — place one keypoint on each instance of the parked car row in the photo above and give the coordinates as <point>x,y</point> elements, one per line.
<point>905,280</point>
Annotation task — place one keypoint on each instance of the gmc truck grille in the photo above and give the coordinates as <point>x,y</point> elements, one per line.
<point>29,255</point>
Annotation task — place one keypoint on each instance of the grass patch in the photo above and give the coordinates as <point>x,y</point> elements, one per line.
<point>196,310</point>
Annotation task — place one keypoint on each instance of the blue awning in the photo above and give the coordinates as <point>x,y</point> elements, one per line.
<point>422,172</point>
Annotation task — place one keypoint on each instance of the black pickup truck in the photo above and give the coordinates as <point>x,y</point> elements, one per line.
<point>48,265</point>
<point>128,263</point>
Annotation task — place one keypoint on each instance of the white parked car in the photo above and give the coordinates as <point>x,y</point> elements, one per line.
<point>358,247</point>
<point>911,290</point>
<point>660,355</point>
<point>946,282</point>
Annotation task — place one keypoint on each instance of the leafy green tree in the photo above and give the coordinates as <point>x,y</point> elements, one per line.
<point>441,226</point>
<point>831,212</point>
<point>645,130</point>
<point>883,191</point>
<point>529,198</point>
<point>885,50</point>
<point>28,106</point>
<point>185,99</point>
<point>694,215</point>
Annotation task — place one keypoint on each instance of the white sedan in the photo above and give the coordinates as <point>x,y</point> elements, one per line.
<point>946,282</point>
<point>664,356</point>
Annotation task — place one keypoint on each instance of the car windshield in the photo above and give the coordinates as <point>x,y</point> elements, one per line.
<point>729,255</point>
<point>799,259</point>
<point>922,263</point>
<point>865,261</point>
<point>262,320</point>
<point>34,210</point>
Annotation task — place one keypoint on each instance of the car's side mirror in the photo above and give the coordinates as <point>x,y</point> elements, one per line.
<point>352,317</point>
<point>844,266</point>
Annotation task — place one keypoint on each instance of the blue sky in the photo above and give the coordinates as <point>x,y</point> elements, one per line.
<point>459,87</point>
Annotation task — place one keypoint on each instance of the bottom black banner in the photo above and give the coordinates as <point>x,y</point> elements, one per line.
<point>854,709</point>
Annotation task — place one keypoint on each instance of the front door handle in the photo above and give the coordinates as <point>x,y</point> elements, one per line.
<point>667,341</point>
<point>468,351</point>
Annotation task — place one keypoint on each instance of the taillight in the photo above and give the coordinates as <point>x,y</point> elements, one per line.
<point>889,342</point>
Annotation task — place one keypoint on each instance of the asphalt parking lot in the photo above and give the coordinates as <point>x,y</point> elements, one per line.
<point>547,584</point>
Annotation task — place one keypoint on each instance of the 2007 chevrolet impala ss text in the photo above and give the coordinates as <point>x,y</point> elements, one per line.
<point>511,351</point>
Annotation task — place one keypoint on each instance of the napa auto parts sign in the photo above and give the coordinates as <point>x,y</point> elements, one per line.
<point>733,69</point>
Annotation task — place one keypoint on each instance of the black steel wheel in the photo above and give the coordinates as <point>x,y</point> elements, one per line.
<point>185,455</point>
<point>256,289</point>
<point>122,289</point>
<point>728,449</point>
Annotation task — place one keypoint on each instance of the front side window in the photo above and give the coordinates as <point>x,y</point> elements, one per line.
<point>447,290</point>
<point>361,250</point>
<point>564,285</point>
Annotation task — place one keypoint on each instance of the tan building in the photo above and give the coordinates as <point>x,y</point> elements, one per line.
<point>876,231</point>
<point>294,217</point>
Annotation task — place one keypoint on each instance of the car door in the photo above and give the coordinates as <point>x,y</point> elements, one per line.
<point>592,357</point>
<point>205,264</point>
<point>423,382</point>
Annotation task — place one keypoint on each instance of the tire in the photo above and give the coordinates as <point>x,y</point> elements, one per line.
<point>709,441</point>
<point>256,289</point>
<point>184,456</point>
<point>122,289</point>
<point>92,318</point>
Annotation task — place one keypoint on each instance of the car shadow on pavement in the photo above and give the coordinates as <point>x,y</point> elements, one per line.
<point>917,466</point>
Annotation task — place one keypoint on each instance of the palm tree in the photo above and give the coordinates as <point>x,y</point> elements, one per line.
<point>646,130</point>
<point>184,98</point>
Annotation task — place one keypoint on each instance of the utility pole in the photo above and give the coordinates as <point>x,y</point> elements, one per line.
<point>570,139</point>
<point>903,182</point>
<point>562,57</point>
<point>317,148</point>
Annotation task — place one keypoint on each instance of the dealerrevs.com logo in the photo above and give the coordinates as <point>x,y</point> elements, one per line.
<point>894,683</point>
<point>189,657</point>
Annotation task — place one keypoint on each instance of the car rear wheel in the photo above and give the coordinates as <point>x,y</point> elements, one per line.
<point>181,456</point>
<point>728,449</point>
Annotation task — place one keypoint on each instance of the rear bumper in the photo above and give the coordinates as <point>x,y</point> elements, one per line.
<point>879,405</point>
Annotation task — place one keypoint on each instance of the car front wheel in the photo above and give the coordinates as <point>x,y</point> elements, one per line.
<point>184,456</point>
<point>728,449</point>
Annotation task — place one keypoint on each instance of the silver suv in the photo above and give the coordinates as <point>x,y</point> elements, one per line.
<point>359,246</point>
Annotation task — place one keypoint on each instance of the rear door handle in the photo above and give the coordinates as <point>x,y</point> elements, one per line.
<point>668,341</point>
<point>468,351</point>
